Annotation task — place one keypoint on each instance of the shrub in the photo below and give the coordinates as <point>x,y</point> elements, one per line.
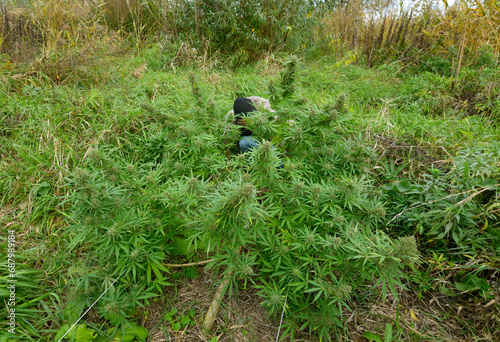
<point>308,231</point>
<point>451,209</point>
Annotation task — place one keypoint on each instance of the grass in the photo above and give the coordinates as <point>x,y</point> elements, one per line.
<point>62,122</point>
<point>49,130</point>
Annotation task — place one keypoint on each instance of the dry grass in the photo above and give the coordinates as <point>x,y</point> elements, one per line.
<point>434,317</point>
<point>118,11</point>
<point>350,29</point>
<point>59,40</point>
<point>187,55</point>
<point>407,150</point>
<point>19,35</point>
<point>241,318</point>
<point>465,26</point>
<point>52,26</point>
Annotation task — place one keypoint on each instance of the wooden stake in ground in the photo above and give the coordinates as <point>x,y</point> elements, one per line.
<point>213,310</point>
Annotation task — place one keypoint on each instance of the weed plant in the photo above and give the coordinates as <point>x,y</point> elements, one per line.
<point>291,232</point>
<point>131,180</point>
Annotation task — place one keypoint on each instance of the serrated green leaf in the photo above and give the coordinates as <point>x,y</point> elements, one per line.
<point>372,337</point>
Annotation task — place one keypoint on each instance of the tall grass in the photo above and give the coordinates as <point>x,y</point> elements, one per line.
<point>463,31</point>
<point>467,26</point>
<point>57,40</point>
<point>241,32</point>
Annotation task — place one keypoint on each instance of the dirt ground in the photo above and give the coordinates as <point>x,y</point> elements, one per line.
<point>242,318</point>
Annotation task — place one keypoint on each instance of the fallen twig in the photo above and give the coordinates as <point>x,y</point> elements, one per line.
<point>213,310</point>
<point>190,264</point>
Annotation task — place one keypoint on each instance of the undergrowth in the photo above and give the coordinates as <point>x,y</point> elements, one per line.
<point>115,184</point>
<point>375,179</point>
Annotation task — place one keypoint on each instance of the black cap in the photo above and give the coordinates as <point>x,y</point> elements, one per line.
<point>243,105</point>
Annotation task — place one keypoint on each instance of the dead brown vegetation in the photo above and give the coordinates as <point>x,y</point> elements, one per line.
<point>414,34</point>
<point>60,40</point>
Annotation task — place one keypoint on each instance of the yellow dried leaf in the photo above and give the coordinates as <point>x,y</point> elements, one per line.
<point>485,225</point>
<point>413,316</point>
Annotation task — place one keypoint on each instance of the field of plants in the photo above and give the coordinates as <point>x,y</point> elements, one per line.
<point>369,211</point>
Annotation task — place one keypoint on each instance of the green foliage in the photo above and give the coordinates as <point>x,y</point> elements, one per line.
<point>29,292</point>
<point>129,333</point>
<point>388,336</point>
<point>286,86</point>
<point>79,333</point>
<point>486,57</point>
<point>124,181</point>
<point>470,92</point>
<point>298,228</point>
<point>254,26</point>
<point>241,32</point>
<point>427,93</point>
<point>443,206</point>
<point>180,321</point>
<point>479,92</point>
<point>438,65</point>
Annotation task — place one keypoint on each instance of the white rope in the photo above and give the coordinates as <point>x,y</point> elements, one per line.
<point>281,321</point>
<point>91,306</point>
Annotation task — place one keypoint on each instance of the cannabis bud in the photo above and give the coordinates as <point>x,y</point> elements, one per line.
<point>247,271</point>
<point>329,151</point>
<point>335,242</point>
<point>95,204</point>
<point>406,248</point>
<point>340,103</point>
<point>150,177</point>
<point>246,177</point>
<point>178,166</point>
<point>111,307</point>
<point>310,238</point>
<point>93,154</point>
<point>112,231</point>
<point>131,168</point>
<point>284,249</point>
<point>192,183</point>
<point>266,147</point>
<point>275,299</point>
<point>339,219</point>
<point>207,160</point>
<point>134,255</point>
<point>114,170</point>
<point>81,176</point>
<point>333,115</point>
<point>344,291</point>
<point>316,190</point>
<point>302,101</point>
<point>247,191</point>
<point>241,159</point>
<point>380,211</point>
<point>260,120</point>
<point>352,231</point>
<point>313,114</point>
<point>299,187</point>
<point>89,220</point>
